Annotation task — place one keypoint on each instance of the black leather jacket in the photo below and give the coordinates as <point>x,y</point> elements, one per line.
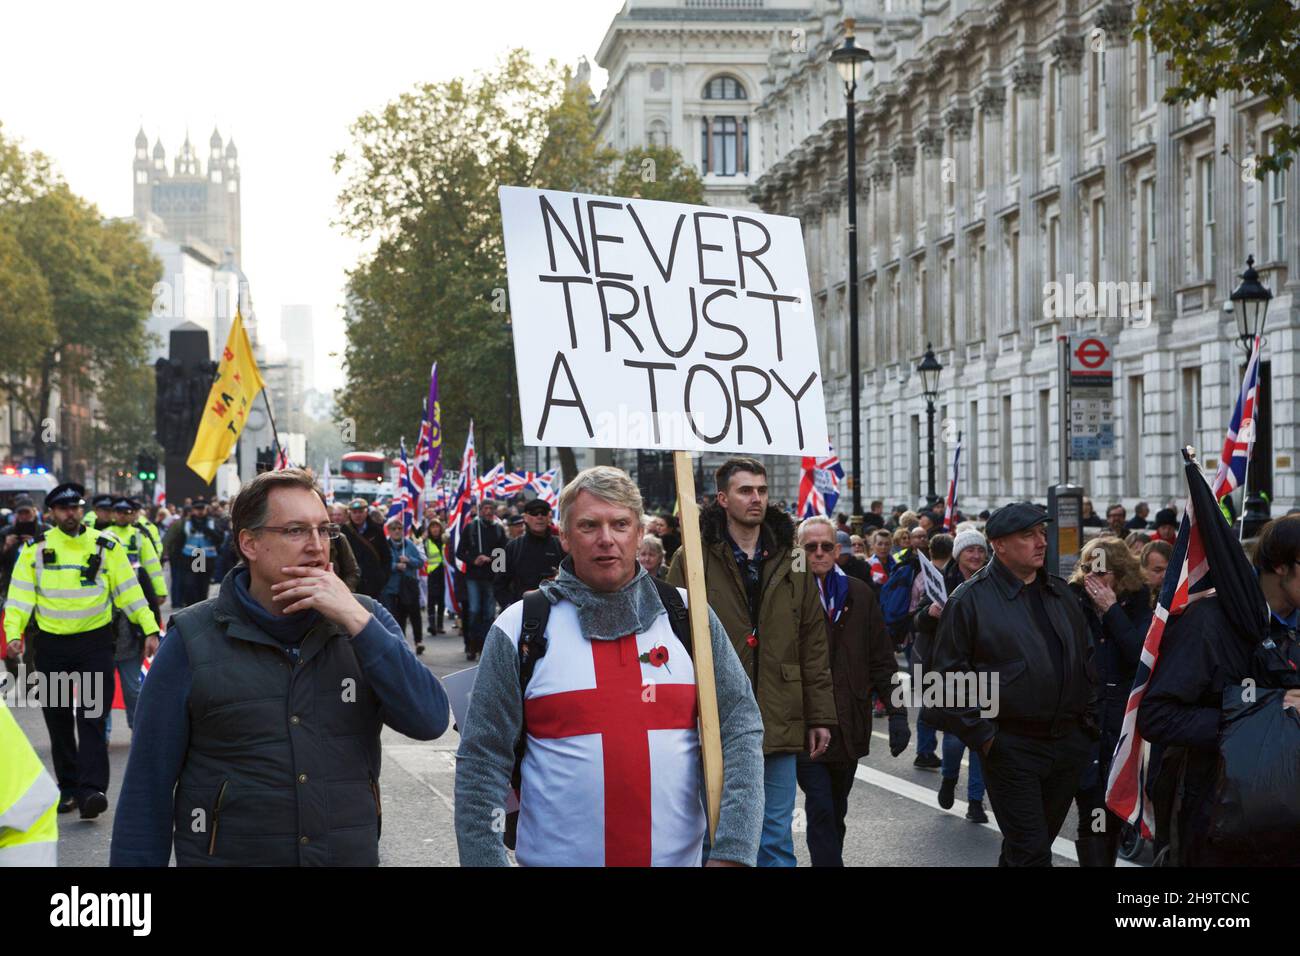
<point>988,628</point>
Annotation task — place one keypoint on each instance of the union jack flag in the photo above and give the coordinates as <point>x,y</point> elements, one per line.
<point>1240,440</point>
<point>404,499</point>
<point>543,483</point>
<point>490,485</point>
<point>1187,579</point>
<point>458,516</point>
<point>819,486</point>
<point>950,503</point>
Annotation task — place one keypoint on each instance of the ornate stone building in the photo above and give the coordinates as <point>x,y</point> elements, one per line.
<point>1003,146</point>
<point>191,203</point>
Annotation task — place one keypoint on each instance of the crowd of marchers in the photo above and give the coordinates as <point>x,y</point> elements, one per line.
<point>256,732</point>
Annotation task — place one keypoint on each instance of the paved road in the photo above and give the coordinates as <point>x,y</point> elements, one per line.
<point>894,819</point>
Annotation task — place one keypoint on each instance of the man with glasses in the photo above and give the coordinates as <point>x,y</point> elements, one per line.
<point>264,706</point>
<point>862,656</point>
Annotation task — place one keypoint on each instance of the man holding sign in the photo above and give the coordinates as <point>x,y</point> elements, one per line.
<point>601,696</point>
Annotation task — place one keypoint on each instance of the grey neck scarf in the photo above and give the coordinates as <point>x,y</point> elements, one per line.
<point>607,616</point>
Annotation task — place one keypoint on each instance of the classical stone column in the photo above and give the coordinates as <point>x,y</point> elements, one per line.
<point>992,101</point>
<point>636,80</point>
<point>1230,256</point>
<point>881,175</point>
<point>1068,51</point>
<point>931,142</point>
<point>1027,77</point>
<point>1167,273</point>
<point>911,324</point>
<point>957,119</point>
<point>1115,20</point>
<point>676,80</point>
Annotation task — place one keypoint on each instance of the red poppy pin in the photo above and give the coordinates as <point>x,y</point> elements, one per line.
<point>657,656</point>
<point>752,640</point>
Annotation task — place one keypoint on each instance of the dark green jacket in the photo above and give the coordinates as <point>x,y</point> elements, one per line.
<point>792,682</point>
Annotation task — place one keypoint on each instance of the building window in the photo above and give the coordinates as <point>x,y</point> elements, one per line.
<point>1145,76</point>
<point>927,321</point>
<point>142,177</point>
<point>1097,260</point>
<point>1004,438</point>
<point>1043,437</point>
<point>1013,139</point>
<point>1275,193</point>
<point>971,443</point>
<point>977,293</point>
<point>725,145</point>
<point>724,88</point>
<point>1205,205</point>
<point>949,297</point>
<point>1190,407</point>
<point>1053,247</point>
<point>1053,80</point>
<point>979,151</point>
<point>1133,429</point>
<point>1012,320</point>
<point>1096,63</point>
<point>1147,237</point>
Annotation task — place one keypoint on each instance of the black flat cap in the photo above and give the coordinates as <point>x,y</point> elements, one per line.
<point>1014,517</point>
<point>69,493</point>
<point>1166,516</point>
<point>537,507</point>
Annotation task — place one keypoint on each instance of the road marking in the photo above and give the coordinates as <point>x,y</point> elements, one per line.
<point>923,795</point>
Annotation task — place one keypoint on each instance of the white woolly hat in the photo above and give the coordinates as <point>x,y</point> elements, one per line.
<point>968,539</point>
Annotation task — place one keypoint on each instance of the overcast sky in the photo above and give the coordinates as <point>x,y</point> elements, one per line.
<point>286,78</point>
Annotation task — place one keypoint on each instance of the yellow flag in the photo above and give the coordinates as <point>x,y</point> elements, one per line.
<point>238,382</point>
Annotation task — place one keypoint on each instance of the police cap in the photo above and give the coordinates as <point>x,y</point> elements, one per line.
<point>102,501</point>
<point>125,504</point>
<point>1014,517</point>
<point>69,494</point>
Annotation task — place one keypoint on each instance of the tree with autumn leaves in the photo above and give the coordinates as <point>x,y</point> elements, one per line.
<point>75,291</point>
<point>421,179</point>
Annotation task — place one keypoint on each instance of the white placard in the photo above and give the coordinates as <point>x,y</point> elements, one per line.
<point>933,577</point>
<point>459,687</point>
<point>643,324</point>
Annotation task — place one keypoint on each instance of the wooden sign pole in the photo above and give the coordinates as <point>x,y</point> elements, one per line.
<point>688,516</point>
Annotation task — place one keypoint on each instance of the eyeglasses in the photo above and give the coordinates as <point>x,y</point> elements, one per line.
<point>297,533</point>
<point>826,547</point>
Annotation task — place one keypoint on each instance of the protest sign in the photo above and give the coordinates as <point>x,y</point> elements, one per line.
<point>933,577</point>
<point>656,325</point>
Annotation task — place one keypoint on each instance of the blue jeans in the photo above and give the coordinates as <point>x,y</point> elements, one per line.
<point>480,610</point>
<point>952,751</point>
<point>926,738</point>
<point>128,669</point>
<point>776,846</point>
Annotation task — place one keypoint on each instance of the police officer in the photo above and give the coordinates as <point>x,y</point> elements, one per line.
<point>103,516</point>
<point>148,529</point>
<point>128,642</point>
<point>70,578</point>
<point>1013,622</point>
<point>29,833</point>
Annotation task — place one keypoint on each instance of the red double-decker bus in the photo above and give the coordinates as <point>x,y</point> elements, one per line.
<point>362,475</point>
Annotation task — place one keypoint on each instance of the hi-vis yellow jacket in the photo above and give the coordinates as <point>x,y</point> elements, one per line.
<point>29,799</point>
<point>48,579</point>
<point>140,551</point>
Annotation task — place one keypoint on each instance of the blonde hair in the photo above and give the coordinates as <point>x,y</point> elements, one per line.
<point>1117,558</point>
<point>902,538</point>
<point>909,520</point>
<point>606,483</point>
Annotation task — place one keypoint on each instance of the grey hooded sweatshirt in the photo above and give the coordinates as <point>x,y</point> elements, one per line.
<point>487,748</point>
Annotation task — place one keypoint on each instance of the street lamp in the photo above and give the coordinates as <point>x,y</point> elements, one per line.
<point>1250,304</point>
<point>848,61</point>
<point>930,370</point>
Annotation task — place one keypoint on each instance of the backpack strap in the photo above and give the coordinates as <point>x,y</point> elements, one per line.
<point>532,636</point>
<point>678,618</point>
